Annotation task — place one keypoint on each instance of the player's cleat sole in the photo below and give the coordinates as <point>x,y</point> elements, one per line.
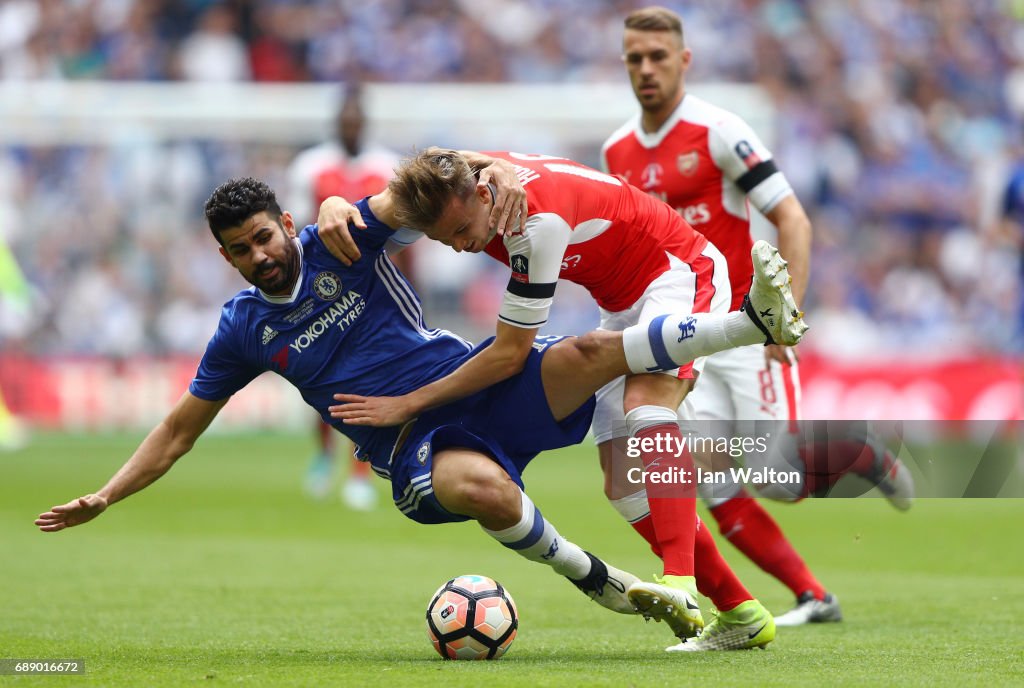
<point>607,586</point>
<point>675,607</point>
<point>770,303</point>
<point>747,626</point>
<point>808,610</point>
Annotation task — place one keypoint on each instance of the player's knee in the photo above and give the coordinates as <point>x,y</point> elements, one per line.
<point>493,499</point>
<point>593,346</point>
<point>480,489</point>
<point>655,390</point>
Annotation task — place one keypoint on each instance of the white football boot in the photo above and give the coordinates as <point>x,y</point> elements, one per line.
<point>808,609</point>
<point>770,303</point>
<point>747,626</point>
<point>673,604</point>
<point>607,586</point>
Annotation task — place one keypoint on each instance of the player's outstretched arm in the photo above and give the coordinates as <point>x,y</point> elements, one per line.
<point>164,445</point>
<point>501,359</point>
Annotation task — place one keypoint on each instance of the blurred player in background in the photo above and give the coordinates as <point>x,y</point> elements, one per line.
<point>709,165</point>
<point>14,304</point>
<point>1010,227</point>
<point>343,166</point>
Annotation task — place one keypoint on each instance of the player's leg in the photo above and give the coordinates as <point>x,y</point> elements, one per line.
<point>649,404</point>
<point>737,608</point>
<point>358,492</point>
<point>740,622</point>
<point>739,384</point>
<point>470,483</point>
<point>576,368</point>
<point>651,423</point>
<point>323,466</point>
<point>13,435</point>
<point>830,450</point>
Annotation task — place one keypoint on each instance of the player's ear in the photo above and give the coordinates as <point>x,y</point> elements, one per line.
<point>485,192</point>
<point>288,222</point>
<point>227,257</point>
<point>687,58</point>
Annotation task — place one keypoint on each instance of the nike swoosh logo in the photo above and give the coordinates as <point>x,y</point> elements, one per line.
<point>693,606</point>
<point>754,634</point>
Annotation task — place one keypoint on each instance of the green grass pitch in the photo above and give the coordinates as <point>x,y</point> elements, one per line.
<point>223,573</point>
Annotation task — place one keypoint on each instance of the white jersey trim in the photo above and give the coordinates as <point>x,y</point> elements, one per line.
<point>589,229</point>
<point>542,243</point>
<point>725,131</point>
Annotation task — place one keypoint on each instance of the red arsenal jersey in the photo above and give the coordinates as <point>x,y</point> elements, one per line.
<point>590,228</point>
<point>705,162</point>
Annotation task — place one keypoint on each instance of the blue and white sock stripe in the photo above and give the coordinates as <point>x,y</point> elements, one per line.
<point>531,538</point>
<point>417,488</point>
<point>654,336</point>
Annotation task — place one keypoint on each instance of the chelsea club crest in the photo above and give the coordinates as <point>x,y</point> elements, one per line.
<point>327,286</point>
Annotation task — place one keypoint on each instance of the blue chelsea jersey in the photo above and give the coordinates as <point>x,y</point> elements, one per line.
<point>345,329</point>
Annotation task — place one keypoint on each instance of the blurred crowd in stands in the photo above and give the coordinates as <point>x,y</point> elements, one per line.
<point>900,125</point>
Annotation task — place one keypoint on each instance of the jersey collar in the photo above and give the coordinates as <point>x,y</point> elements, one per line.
<point>654,139</point>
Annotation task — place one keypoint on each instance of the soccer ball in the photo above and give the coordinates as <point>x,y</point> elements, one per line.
<point>472,617</point>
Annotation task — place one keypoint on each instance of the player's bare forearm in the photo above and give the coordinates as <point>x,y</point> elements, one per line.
<point>500,360</point>
<point>166,443</point>
<point>794,229</point>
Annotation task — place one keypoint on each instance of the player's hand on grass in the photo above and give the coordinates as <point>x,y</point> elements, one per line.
<point>379,412</point>
<point>335,215</point>
<point>74,513</point>
<point>783,354</point>
<point>509,212</point>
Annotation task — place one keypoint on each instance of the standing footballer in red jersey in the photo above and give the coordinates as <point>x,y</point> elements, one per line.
<point>638,259</point>
<point>709,165</point>
<point>346,166</point>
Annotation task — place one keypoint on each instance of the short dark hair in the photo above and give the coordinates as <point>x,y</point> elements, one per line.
<point>235,201</point>
<point>655,19</point>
